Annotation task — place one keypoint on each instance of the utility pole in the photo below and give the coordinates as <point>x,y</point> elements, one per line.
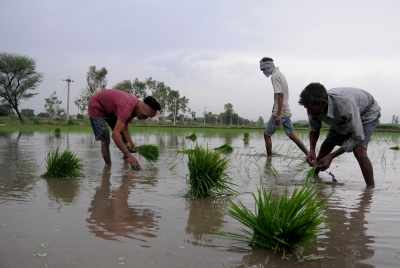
<point>69,81</point>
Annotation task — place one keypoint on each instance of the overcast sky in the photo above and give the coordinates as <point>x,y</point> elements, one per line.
<point>209,50</point>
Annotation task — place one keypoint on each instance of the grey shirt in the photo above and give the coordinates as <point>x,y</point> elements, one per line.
<point>348,110</point>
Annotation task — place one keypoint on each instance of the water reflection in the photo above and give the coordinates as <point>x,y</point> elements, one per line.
<point>18,165</point>
<point>62,191</point>
<point>111,217</point>
<point>206,216</point>
<point>347,231</point>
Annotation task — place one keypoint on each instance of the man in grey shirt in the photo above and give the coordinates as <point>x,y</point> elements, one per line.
<point>352,115</point>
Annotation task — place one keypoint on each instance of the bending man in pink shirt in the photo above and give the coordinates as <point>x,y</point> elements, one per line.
<point>117,108</point>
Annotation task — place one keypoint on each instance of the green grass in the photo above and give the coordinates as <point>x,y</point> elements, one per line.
<point>62,165</point>
<point>224,149</point>
<point>207,173</point>
<point>280,223</point>
<point>149,151</point>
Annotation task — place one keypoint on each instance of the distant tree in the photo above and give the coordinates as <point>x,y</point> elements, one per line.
<point>260,121</point>
<point>395,119</point>
<point>18,77</point>
<point>135,87</point>
<point>96,79</point>
<point>52,106</point>
<point>81,103</point>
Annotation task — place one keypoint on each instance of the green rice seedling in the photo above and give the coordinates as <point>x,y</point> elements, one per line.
<point>225,149</point>
<point>246,138</point>
<point>207,173</point>
<point>192,137</point>
<point>149,151</point>
<point>57,132</point>
<point>396,147</point>
<point>61,165</point>
<point>281,223</point>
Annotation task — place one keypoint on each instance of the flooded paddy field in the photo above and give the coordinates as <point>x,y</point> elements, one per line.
<point>123,218</point>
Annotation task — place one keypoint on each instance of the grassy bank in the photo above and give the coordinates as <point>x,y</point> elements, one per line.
<point>8,124</point>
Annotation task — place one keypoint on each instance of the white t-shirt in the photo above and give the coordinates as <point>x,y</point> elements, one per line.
<point>280,85</point>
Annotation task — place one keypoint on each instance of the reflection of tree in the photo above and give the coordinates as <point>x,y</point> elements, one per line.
<point>206,216</point>
<point>112,217</point>
<point>345,241</point>
<point>62,190</point>
<point>17,164</point>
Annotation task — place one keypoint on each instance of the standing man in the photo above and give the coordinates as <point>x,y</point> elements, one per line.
<point>280,112</point>
<point>352,115</point>
<point>117,108</point>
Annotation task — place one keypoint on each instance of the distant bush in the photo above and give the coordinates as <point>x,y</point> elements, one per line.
<point>28,113</point>
<point>43,115</point>
<point>5,110</point>
<point>80,116</point>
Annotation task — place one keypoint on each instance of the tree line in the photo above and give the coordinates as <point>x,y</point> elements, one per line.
<point>19,79</point>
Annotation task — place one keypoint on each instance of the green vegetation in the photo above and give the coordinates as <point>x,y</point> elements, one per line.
<point>208,175</point>
<point>246,138</point>
<point>192,137</point>
<point>57,132</point>
<point>224,149</point>
<point>149,151</point>
<point>280,223</point>
<point>62,165</point>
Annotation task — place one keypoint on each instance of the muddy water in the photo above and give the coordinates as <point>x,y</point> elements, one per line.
<point>122,218</point>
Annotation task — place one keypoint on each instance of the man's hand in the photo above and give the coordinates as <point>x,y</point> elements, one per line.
<point>311,158</point>
<point>131,147</point>
<point>133,162</point>
<point>278,120</point>
<point>325,162</point>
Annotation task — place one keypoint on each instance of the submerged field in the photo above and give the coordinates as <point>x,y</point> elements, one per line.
<point>121,217</point>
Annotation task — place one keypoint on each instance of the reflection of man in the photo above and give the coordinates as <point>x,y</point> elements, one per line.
<point>352,115</point>
<point>117,108</point>
<point>110,215</point>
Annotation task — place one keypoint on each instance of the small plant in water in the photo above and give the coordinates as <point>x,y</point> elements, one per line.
<point>280,223</point>
<point>246,138</point>
<point>225,149</point>
<point>61,165</point>
<point>57,132</point>
<point>149,151</point>
<point>192,137</point>
<point>207,173</point>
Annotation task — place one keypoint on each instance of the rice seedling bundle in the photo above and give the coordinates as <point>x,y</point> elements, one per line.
<point>246,138</point>
<point>61,165</point>
<point>192,137</point>
<point>149,151</point>
<point>280,223</point>
<point>225,149</point>
<point>207,173</point>
<point>57,132</point>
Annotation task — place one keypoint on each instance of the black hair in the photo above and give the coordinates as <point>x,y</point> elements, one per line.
<point>266,59</point>
<point>313,94</point>
<point>153,103</point>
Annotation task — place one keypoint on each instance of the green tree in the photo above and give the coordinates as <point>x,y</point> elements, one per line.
<point>52,106</point>
<point>18,78</point>
<point>135,87</point>
<point>96,79</point>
